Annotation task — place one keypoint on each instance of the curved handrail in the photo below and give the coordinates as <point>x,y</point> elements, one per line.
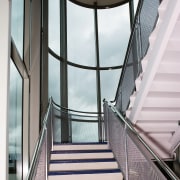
<point>39,143</point>
<point>71,110</point>
<point>132,129</point>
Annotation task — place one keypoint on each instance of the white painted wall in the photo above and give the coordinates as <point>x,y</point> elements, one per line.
<point>4,84</point>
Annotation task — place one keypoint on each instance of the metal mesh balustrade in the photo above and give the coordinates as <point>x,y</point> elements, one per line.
<point>40,161</point>
<point>145,21</point>
<point>134,160</point>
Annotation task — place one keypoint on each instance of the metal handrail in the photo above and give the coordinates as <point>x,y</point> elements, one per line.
<point>163,165</point>
<point>39,143</point>
<point>72,110</point>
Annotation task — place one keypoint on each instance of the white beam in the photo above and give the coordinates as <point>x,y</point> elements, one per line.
<point>4,84</point>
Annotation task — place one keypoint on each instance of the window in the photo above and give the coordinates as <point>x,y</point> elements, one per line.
<point>15,124</point>
<point>80,35</point>
<point>17,24</point>
<point>114,32</point>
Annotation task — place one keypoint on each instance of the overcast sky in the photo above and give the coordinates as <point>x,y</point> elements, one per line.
<point>114,31</point>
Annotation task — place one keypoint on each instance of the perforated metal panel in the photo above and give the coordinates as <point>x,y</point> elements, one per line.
<point>134,160</point>
<point>138,45</point>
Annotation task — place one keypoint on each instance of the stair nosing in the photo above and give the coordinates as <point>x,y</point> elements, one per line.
<point>81,151</point>
<point>94,171</point>
<point>86,143</point>
<point>82,160</point>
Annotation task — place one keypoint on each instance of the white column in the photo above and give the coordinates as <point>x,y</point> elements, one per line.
<point>4,84</point>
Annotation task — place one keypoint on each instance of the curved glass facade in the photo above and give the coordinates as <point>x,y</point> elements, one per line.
<point>94,39</point>
<point>87,49</point>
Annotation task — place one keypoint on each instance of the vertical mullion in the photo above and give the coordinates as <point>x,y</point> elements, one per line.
<point>98,78</point>
<point>63,71</point>
<point>131,12</point>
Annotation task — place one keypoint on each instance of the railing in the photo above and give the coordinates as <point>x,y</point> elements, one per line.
<point>39,164</point>
<point>135,157</point>
<point>83,126</point>
<point>145,20</point>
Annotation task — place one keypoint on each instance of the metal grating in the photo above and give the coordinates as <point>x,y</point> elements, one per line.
<point>133,159</point>
<point>139,42</point>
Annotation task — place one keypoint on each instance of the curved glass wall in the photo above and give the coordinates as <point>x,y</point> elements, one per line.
<point>109,83</point>
<point>17,24</point>
<point>15,124</point>
<point>54,26</point>
<point>114,31</point>
<point>96,41</point>
<point>80,35</point>
<point>82,89</point>
<point>54,78</point>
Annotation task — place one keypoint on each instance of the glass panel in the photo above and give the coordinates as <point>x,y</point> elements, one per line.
<point>109,83</point>
<point>80,35</point>
<point>54,26</point>
<point>17,24</point>
<point>84,132</point>
<point>54,79</point>
<point>114,32</point>
<point>82,89</point>
<point>15,124</point>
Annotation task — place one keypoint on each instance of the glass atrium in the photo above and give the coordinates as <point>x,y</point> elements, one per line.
<point>71,51</point>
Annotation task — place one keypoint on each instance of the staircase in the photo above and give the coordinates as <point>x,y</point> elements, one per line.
<point>83,162</point>
<point>155,105</point>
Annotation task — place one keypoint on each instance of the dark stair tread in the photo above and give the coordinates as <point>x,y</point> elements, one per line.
<point>85,143</point>
<point>97,171</point>
<point>82,160</point>
<point>80,151</point>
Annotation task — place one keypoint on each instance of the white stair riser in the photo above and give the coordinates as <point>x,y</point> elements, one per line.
<point>173,45</point>
<point>80,147</point>
<point>82,156</point>
<point>83,166</point>
<point>159,116</point>
<point>159,146</point>
<point>165,67</point>
<point>161,86</point>
<point>156,127</point>
<point>159,102</point>
<point>106,176</point>
<point>175,33</point>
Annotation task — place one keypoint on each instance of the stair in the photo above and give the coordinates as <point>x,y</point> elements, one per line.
<point>83,162</point>
<point>155,105</point>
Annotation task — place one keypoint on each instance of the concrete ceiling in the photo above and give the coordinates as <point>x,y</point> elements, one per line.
<point>99,3</point>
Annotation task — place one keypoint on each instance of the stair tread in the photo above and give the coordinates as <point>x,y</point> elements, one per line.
<point>80,151</point>
<point>84,143</point>
<point>82,160</point>
<point>92,171</point>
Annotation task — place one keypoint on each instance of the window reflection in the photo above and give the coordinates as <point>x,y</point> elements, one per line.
<point>17,24</point>
<point>114,31</point>
<point>15,124</point>
<point>82,89</point>
<point>80,35</point>
<point>54,79</point>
